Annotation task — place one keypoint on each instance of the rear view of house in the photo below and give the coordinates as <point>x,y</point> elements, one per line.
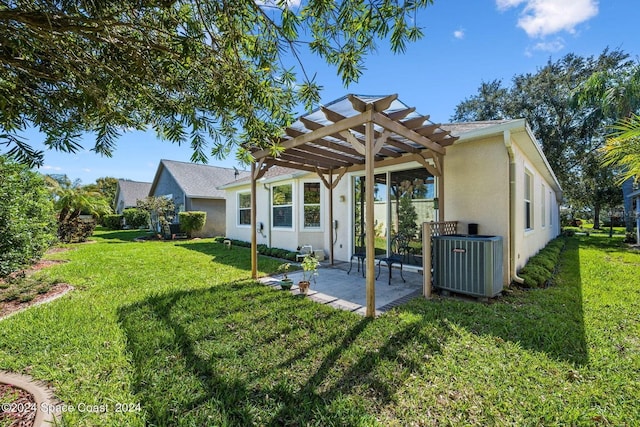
<point>193,187</point>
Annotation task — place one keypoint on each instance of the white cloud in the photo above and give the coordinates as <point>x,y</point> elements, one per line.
<point>86,170</point>
<point>540,18</point>
<point>51,168</point>
<point>550,46</point>
<point>459,34</point>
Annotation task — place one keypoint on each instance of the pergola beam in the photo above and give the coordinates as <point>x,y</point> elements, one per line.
<point>322,132</point>
<point>370,138</point>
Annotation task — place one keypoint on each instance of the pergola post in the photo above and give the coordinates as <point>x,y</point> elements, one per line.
<point>369,219</point>
<point>331,230</point>
<point>441,191</point>
<point>254,235</point>
<point>426,259</point>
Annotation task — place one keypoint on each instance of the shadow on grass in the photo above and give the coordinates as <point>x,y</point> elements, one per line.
<point>244,354</point>
<point>237,256</point>
<point>547,320</point>
<point>120,235</point>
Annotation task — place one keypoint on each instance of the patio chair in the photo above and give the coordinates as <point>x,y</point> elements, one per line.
<point>360,253</point>
<point>398,245</point>
<point>304,251</point>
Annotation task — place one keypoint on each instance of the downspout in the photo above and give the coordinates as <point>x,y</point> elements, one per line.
<point>512,209</point>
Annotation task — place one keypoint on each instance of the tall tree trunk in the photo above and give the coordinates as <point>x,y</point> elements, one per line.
<point>596,216</point>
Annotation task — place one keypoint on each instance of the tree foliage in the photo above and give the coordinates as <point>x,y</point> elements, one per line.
<point>570,127</point>
<point>107,187</point>
<point>71,200</point>
<point>622,149</point>
<point>199,71</point>
<point>161,210</point>
<point>26,216</point>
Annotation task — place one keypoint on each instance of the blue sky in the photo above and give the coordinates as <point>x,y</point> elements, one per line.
<point>466,42</point>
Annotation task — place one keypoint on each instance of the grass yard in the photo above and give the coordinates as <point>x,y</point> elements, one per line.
<point>180,330</point>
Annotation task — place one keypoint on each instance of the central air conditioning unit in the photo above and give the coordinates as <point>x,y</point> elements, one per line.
<point>470,265</point>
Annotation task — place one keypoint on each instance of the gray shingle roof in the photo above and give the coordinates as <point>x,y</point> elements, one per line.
<point>132,191</point>
<point>201,181</point>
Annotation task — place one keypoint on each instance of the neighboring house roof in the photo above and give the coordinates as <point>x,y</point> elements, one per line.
<point>131,191</point>
<point>198,180</point>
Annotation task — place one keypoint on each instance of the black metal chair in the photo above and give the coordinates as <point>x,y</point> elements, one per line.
<point>398,251</point>
<point>360,253</point>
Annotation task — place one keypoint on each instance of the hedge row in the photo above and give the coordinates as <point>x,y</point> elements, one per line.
<point>263,249</point>
<point>27,224</point>
<point>112,222</point>
<point>541,267</point>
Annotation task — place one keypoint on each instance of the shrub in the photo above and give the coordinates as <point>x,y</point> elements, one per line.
<point>192,221</point>
<point>630,238</point>
<point>112,222</point>
<point>135,217</point>
<point>540,268</point>
<point>27,220</point>
<point>262,249</point>
<point>76,230</point>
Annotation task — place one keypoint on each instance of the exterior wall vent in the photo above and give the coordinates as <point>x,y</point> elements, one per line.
<point>470,265</point>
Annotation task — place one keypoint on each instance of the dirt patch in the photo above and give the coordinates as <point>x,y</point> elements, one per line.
<point>54,291</point>
<point>8,308</point>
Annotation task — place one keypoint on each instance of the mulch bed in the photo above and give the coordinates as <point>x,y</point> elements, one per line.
<point>19,413</point>
<point>20,399</point>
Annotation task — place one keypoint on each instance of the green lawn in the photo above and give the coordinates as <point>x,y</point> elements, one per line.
<point>179,329</point>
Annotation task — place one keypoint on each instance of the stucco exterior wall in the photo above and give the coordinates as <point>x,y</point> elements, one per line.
<point>476,189</point>
<point>279,237</point>
<point>215,224</point>
<point>528,241</point>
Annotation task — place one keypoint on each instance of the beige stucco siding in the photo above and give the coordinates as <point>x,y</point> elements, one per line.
<point>476,189</point>
<point>528,241</point>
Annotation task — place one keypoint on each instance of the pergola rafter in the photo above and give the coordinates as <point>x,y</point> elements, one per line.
<point>354,133</point>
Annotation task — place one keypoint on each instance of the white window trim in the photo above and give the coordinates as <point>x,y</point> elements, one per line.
<point>543,206</point>
<point>529,203</point>
<point>292,206</point>
<point>304,205</point>
<point>238,208</point>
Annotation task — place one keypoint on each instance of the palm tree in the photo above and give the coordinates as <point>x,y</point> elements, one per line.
<point>623,147</point>
<point>70,201</point>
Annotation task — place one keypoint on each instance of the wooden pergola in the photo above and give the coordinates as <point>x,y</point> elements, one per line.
<point>355,133</point>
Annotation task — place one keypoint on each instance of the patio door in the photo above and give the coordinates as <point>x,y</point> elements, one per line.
<point>380,212</point>
<point>412,202</point>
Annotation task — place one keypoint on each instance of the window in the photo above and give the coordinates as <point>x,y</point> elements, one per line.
<point>311,205</point>
<point>543,207</point>
<point>244,209</point>
<point>550,208</point>
<point>528,203</point>
<point>282,202</point>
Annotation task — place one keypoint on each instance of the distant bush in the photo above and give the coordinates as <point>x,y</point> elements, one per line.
<point>76,230</point>
<point>27,219</point>
<point>135,217</point>
<point>541,267</point>
<point>192,221</point>
<point>112,221</point>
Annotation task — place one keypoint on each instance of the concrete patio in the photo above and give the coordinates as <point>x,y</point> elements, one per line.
<point>334,287</point>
